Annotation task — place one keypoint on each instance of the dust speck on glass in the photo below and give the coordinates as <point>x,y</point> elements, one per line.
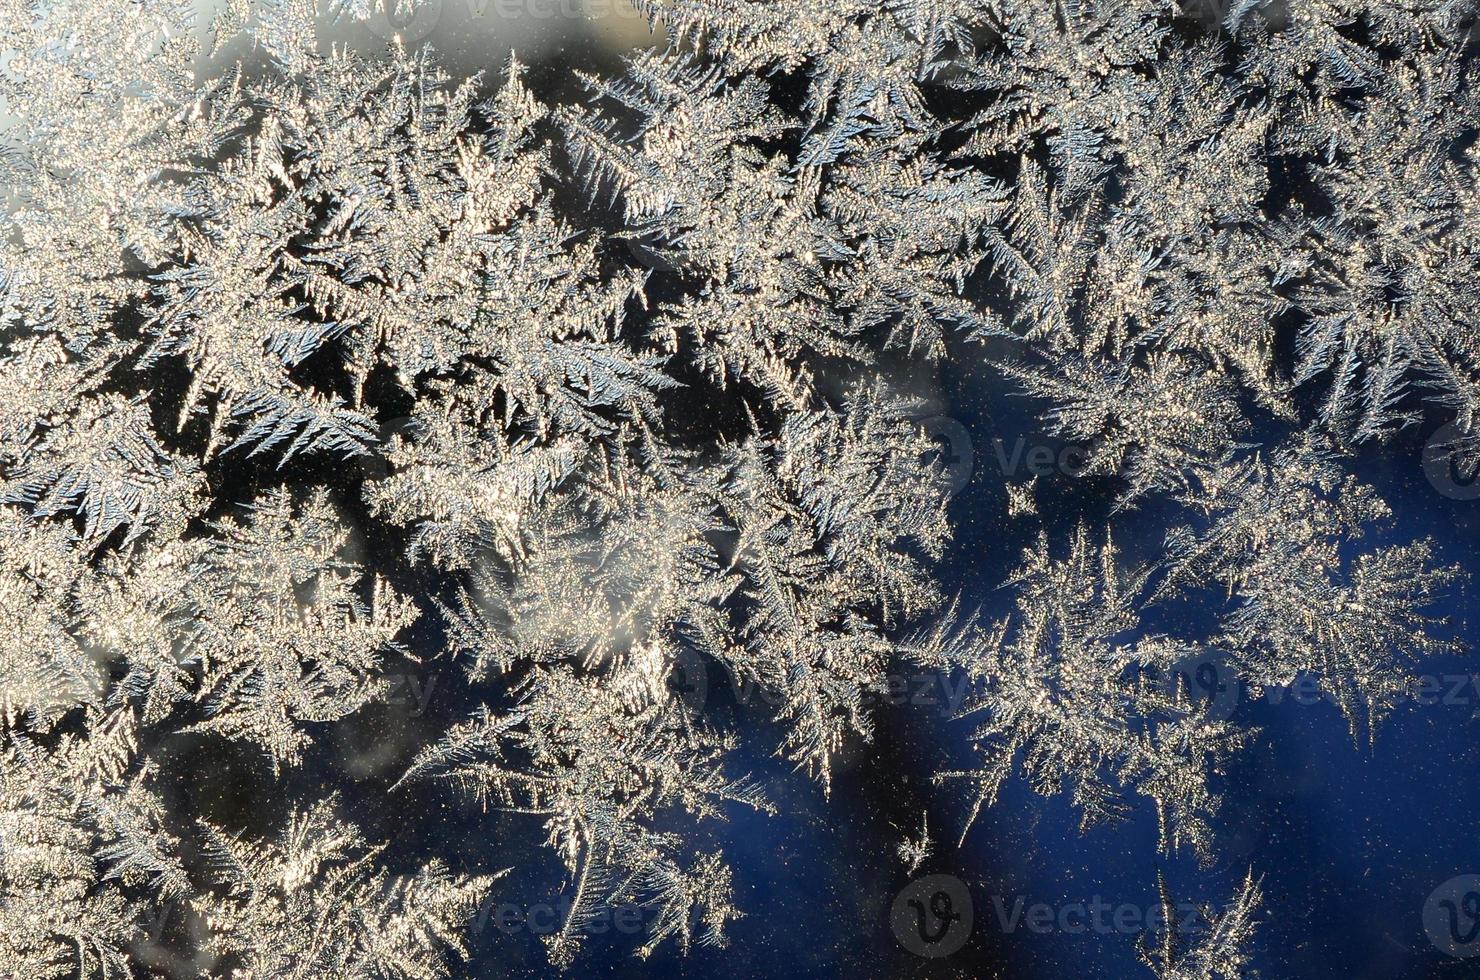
<point>739,488</point>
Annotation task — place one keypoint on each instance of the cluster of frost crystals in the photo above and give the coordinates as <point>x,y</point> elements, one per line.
<point>1059,690</point>
<point>1219,953</point>
<point>618,383</point>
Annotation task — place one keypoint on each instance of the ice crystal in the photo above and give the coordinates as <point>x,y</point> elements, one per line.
<point>1280,537</point>
<point>599,769</point>
<point>1063,695</point>
<point>329,910</point>
<point>1218,953</point>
